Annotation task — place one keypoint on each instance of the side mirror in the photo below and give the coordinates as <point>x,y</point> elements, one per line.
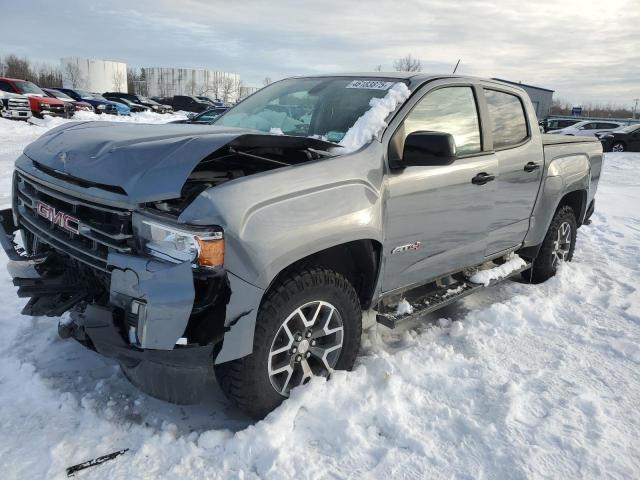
<point>427,149</point>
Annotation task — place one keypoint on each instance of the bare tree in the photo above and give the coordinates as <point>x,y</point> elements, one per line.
<point>18,68</point>
<point>266,81</point>
<point>227,86</point>
<point>408,64</point>
<point>117,81</point>
<point>72,75</point>
<point>378,68</point>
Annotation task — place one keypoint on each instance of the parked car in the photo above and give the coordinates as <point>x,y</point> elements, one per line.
<point>121,108</point>
<point>188,103</point>
<point>215,102</point>
<point>589,127</point>
<point>100,106</point>
<point>40,103</point>
<point>558,123</point>
<point>78,106</point>
<point>134,107</point>
<point>14,106</point>
<point>624,139</point>
<point>205,118</point>
<point>255,244</point>
<point>140,100</point>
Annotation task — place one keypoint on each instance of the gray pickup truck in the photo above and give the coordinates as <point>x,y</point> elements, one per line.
<point>255,248</point>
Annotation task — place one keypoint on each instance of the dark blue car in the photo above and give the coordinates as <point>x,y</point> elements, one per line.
<point>100,105</point>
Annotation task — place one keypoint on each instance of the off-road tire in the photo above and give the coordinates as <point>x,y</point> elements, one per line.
<point>246,381</point>
<point>543,267</point>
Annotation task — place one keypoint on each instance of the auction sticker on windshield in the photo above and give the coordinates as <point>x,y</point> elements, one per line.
<point>370,84</point>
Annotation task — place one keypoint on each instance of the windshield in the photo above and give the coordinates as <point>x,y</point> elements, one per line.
<point>627,129</point>
<point>61,96</point>
<point>85,95</point>
<point>28,87</point>
<point>326,106</point>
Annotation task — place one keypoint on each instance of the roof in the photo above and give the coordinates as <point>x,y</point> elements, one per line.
<point>520,84</point>
<point>413,77</point>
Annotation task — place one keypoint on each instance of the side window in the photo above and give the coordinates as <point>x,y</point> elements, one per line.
<point>450,110</point>
<point>591,126</point>
<point>508,121</point>
<point>5,87</point>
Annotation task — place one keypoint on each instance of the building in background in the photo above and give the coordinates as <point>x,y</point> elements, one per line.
<point>94,75</point>
<point>540,97</point>
<point>246,91</point>
<point>166,82</point>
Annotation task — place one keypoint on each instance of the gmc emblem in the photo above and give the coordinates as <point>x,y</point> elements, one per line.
<point>61,219</point>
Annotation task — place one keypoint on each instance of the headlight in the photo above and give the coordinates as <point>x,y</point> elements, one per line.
<point>202,247</point>
<point>44,106</point>
<point>102,106</point>
<point>155,107</point>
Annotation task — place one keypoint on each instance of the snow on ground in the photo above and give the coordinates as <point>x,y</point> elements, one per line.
<point>519,381</point>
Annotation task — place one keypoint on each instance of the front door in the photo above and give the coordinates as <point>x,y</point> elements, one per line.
<point>436,217</point>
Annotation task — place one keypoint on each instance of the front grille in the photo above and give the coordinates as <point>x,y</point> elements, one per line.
<point>19,104</point>
<point>100,229</point>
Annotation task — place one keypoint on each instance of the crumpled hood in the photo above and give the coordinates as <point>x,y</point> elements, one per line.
<point>149,162</point>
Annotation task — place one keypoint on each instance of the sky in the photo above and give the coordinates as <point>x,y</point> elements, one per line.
<point>585,50</point>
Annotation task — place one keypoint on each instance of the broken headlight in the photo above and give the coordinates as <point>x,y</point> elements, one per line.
<point>202,247</point>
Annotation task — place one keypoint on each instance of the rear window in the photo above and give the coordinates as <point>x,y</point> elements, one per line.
<point>508,121</point>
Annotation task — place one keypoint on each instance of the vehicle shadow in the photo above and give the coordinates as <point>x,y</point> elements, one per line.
<point>98,383</point>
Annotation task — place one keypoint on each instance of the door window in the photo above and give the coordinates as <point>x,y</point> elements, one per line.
<point>5,87</point>
<point>450,110</point>
<point>508,121</point>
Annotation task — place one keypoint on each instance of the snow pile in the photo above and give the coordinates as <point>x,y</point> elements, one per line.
<point>374,119</point>
<point>519,381</point>
<point>513,263</point>
<point>404,308</point>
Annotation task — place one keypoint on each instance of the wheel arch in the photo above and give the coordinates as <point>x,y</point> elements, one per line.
<point>358,261</point>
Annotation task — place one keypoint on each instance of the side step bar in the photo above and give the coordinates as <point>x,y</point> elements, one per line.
<point>425,299</point>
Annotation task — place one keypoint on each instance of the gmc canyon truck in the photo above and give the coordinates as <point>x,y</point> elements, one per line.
<point>250,248</point>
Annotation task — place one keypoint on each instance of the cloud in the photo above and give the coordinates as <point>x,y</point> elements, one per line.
<point>585,50</point>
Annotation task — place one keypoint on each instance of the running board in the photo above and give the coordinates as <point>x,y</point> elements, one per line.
<point>425,299</point>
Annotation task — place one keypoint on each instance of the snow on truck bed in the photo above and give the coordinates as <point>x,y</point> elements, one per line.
<point>518,381</point>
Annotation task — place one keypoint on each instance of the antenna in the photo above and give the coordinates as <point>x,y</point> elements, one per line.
<point>456,67</point>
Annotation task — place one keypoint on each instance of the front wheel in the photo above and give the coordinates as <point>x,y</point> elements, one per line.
<point>557,247</point>
<point>309,323</point>
<point>617,147</point>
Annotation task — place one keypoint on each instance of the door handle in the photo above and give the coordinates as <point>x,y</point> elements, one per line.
<point>531,166</point>
<point>482,178</point>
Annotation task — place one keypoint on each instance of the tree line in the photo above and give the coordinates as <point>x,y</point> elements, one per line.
<point>562,107</point>
<point>43,74</point>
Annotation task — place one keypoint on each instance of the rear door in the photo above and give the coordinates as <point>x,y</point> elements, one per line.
<point>436,218</point>
<point>520,166</point>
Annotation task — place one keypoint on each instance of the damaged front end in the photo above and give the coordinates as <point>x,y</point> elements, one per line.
<point>136,289</point>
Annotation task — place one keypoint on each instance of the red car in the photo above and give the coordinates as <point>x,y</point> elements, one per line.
<point>79,106</point>
<point>40,103</point>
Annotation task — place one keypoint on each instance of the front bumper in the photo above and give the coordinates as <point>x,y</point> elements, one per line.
<point>17,114</point>
<point>146,310</point>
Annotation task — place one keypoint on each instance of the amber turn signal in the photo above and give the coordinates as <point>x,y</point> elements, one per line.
<point>210,252</point>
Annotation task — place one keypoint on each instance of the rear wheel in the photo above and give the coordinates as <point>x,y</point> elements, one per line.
<point>309,324</point>
<point>558,246</point>
<point>618,147</point>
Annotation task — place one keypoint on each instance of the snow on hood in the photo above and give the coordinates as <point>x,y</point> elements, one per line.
<point>374,119</point>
